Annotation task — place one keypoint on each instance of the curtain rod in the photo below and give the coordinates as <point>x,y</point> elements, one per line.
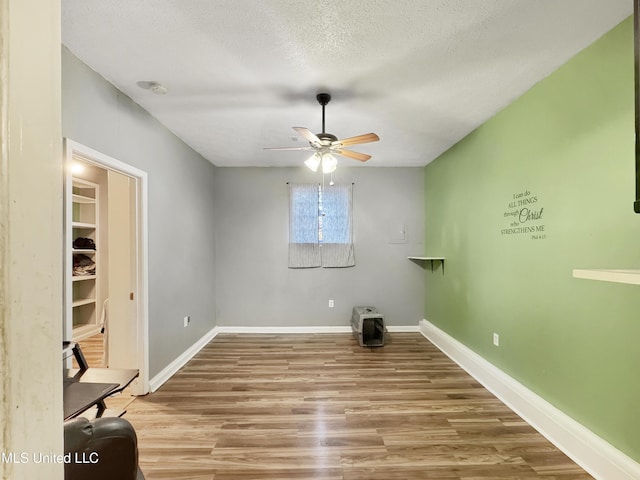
<point>352,183</point>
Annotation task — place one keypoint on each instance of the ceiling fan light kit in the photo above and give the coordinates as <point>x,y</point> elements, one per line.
<point>313,162</point>
<point>326,144</point>
<point>329,162</point>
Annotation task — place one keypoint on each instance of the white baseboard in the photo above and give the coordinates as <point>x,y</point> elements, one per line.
<point>156,382</point>
<point>316,329</point>
<point>403,328</point>
<point>599,458</point>
<point>336,329</point>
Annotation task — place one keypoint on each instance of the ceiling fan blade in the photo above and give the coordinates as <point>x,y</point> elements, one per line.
<point>288,148</point>
<point>366,138</point>
<point>353,155</point>
<point>308,134</point>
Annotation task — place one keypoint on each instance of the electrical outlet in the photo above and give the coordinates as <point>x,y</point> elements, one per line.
<point>496,339</point>
<point>330,303</point>
<point>186,320</point>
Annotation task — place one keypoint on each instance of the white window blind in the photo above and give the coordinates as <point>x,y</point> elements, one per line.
<point>320,226</point>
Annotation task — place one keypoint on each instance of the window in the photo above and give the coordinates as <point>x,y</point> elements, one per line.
<point>320,226</point>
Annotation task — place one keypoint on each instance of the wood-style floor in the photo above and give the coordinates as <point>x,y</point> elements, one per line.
<point>320,407</point>
<point>92,349</point>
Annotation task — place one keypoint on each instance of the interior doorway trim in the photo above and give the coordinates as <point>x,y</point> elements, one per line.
<point>74,149</point>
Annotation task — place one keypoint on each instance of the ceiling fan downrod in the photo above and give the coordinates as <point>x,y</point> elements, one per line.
<point>323,99</point>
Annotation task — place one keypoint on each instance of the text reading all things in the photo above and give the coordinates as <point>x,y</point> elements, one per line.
<point>525,216</point>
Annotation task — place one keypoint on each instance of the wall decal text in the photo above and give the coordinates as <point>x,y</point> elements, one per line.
<point>525,216</point>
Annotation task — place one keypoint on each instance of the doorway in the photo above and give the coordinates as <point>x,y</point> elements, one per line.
<point>106,292</point>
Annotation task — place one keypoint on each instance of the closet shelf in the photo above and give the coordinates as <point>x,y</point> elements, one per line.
<point>75,198</point>
<point>85,331</point>
<point>79,278</point>
<point>628,276</point>
<point>84,301</point>
<point>83,225</point>
<point>84,292</point>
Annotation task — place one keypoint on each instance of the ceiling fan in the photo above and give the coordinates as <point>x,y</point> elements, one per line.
<point>325,144</point>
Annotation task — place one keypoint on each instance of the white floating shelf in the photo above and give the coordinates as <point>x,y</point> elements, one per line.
<point>609,275</point>
<point>429,259</point>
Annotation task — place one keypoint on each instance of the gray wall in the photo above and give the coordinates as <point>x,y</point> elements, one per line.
<point>254,285</point>
<point>218,236</point>
<point>181,197</point>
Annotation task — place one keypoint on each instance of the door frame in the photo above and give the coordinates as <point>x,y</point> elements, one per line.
<point>72,148</point>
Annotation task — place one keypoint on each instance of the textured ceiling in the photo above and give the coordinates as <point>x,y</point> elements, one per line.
<point>421,74</point>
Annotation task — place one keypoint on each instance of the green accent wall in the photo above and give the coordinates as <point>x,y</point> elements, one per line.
<point>564,151</point>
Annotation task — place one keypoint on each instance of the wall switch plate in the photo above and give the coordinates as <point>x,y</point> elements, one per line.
<point>330,303</point>
<point>496,339</point>
<point>398,233</point>
<point>186,320</point>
